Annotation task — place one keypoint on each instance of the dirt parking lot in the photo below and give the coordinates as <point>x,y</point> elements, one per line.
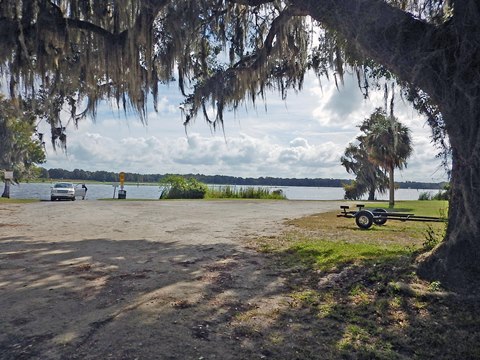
<point>139,279</point>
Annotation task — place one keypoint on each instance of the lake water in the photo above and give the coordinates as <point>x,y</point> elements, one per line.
<point>101,191</point>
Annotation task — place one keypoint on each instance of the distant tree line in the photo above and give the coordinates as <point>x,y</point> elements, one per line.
<point>105,176</point>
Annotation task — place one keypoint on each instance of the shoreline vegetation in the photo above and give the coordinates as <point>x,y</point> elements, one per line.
<point>80,176</point>
<point>179,187</point>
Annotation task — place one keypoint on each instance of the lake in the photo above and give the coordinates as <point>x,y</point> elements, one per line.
<point>101,191</point>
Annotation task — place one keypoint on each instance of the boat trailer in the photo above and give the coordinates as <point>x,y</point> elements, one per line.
<point>366,218</point>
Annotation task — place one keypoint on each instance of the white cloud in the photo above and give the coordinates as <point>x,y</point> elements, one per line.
<point>299,142</point>
<point>302,137</point>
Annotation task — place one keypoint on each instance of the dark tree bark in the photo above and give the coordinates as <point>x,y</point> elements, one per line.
<point>457,260</point>
<point>391,188</point>
<point>371,194</point>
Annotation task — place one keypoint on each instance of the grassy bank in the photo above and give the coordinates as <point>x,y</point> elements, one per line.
<point>17,201</point>
<point>354,293</point>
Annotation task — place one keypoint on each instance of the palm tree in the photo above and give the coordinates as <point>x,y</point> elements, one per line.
<point>369,176</point>
<point>388,143</point>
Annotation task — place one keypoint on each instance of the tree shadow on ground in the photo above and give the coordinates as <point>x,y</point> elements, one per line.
<point>359,311</point>
<point>104,299</point>
<point>98,298</point>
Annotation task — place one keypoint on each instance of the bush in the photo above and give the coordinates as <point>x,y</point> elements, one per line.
<point>178,187</point>
<point>441,195</point>
<point>432,238</point>
<point>353,191</point>
<point>425,196</point>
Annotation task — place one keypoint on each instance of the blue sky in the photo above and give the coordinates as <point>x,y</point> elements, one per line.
<point>303,136</point>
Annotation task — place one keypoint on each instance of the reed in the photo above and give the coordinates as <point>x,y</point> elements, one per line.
<point>232,192</point>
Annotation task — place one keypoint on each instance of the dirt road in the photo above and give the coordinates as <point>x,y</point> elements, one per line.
<point>139,280</point>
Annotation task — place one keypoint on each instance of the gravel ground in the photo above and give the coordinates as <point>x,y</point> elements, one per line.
<point>138,279</point>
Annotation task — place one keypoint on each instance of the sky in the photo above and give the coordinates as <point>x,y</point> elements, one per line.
<point>303,136</point>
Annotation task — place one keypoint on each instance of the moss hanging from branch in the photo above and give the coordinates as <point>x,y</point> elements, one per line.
<point>221,52</point>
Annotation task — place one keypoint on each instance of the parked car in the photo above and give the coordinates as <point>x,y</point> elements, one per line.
<point>62,190</point>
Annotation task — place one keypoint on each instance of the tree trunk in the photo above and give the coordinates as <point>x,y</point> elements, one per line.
<point>391,197</point>
<point>456,261</point>
<point>6,190</point>
<point>371,194</point>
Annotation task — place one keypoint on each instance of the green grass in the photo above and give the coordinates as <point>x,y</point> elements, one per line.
<point>355,294</point>
<point>418,207</point>
<point>325,241</point>
<point>327,255</point>
<point>231,192</point>
<point>17,201</point>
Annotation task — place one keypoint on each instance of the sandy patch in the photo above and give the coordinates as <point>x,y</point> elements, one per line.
<point>138,280</point>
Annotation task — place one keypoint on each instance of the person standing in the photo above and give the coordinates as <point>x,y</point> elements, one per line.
<point>85,194</point>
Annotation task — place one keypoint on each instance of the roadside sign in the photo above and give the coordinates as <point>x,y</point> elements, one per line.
<point>8,175</point>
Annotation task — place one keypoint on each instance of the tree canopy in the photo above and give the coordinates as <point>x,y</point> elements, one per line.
<point>385,144</point>
<point>21,148</point>
<point>388,144</point>
<point>20,145</point>
<point>223,52</point>
<point>76,53</point>
<point>369,177</point>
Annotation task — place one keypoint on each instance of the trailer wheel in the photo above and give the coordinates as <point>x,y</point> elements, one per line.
<point>383,219</point>
<point>364,219</point>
